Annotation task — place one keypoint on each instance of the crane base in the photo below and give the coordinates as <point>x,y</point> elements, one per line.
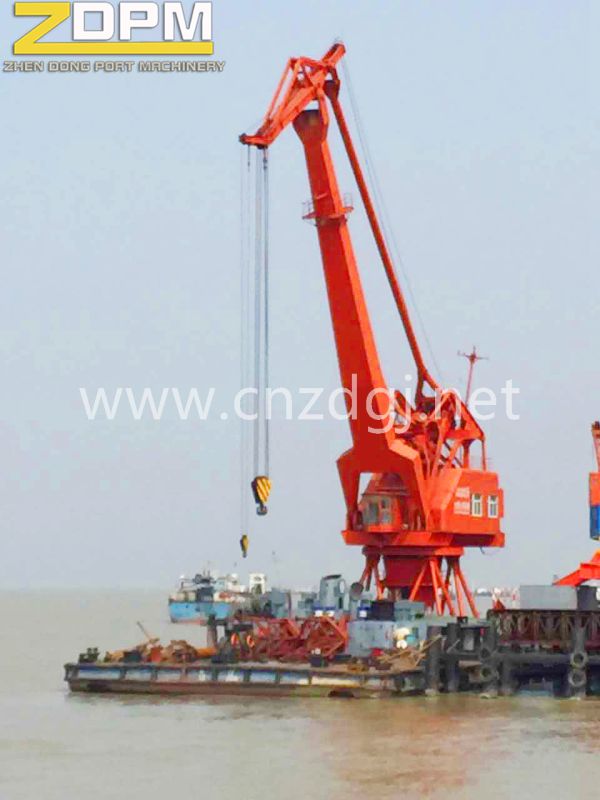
<point>434,578</point>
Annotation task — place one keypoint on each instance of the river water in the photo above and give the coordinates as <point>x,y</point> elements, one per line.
<point>54,746</point>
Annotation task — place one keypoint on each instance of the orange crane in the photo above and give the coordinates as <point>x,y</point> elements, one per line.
<point>595,486</point>
<point>425,500</point>
<point>590,570</point>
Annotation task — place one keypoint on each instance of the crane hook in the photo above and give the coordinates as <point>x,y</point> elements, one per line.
<point>261,489</point>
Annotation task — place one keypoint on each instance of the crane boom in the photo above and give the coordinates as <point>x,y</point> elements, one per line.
<point>303,82</point>
<point>424,502</point>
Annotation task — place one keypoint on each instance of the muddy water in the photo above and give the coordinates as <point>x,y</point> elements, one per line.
<point>55,746</point>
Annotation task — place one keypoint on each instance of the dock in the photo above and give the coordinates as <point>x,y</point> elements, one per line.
<point>512,652</point>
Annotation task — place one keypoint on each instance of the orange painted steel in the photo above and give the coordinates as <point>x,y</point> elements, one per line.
<point>274,638</point>
<point>289,640</point>
<point>595,476</point>
<point>425,501</point>
<point>588,570</point>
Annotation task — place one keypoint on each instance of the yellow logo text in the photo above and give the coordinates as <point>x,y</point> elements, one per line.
<point>117,26</point>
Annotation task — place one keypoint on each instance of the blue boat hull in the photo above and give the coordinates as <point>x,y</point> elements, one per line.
<point>200,611</point>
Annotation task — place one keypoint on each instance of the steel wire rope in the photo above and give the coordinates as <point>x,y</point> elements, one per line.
<point>385,220</point>
<point>245,327</point>
<point>258,303</point>
<point>266,422</point>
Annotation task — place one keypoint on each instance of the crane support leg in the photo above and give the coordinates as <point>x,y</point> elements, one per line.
<point>420,578</point>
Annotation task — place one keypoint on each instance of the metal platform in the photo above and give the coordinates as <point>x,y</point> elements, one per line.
<point>519,651</point>
<point>270,679</point>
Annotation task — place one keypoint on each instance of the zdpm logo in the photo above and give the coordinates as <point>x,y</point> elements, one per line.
<point>118,23</point>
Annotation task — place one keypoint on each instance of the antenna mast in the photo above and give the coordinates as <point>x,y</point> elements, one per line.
<point>472,358</point>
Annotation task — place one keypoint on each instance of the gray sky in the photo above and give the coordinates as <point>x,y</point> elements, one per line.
<point>119,220</point>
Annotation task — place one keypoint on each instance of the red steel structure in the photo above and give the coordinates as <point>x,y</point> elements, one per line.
<point>291,640</point>
<point>590,570</point>
<point>425,500</point>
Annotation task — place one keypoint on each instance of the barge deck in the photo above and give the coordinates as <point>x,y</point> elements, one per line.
<point>271,679</point>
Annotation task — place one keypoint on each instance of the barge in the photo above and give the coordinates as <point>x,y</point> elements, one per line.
<point>511,653</point>
<point>258,679</point>
<point>395,651</point>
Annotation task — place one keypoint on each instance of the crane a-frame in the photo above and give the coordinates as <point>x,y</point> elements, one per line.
<point>425,500</point>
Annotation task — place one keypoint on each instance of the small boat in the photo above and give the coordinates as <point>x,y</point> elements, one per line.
<point>204,596</point>
<point>197,599</point>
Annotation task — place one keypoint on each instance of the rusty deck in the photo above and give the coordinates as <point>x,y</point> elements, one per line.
<point>270,679</point>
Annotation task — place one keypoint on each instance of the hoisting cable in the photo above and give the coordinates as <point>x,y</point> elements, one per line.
<point>258,279</point>
<point>245,336</point>
<point>261,484</point>
<point>387,227</point>
<point>266,303</point>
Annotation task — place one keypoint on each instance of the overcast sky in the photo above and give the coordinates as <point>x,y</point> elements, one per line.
<point>120,223</point>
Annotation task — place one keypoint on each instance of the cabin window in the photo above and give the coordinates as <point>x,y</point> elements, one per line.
<point>493,505</point>
<point>371,516</point>
<point>476,505</point>
<point>377,511</point>
<point>386,511</point>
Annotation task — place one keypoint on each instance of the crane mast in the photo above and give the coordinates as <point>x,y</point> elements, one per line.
<point>424,502</point>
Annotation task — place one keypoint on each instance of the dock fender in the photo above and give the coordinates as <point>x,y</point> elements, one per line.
<point>577,679</point>
<point>488,673</point>
<point>486,653</point>
<point>579,659</point>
